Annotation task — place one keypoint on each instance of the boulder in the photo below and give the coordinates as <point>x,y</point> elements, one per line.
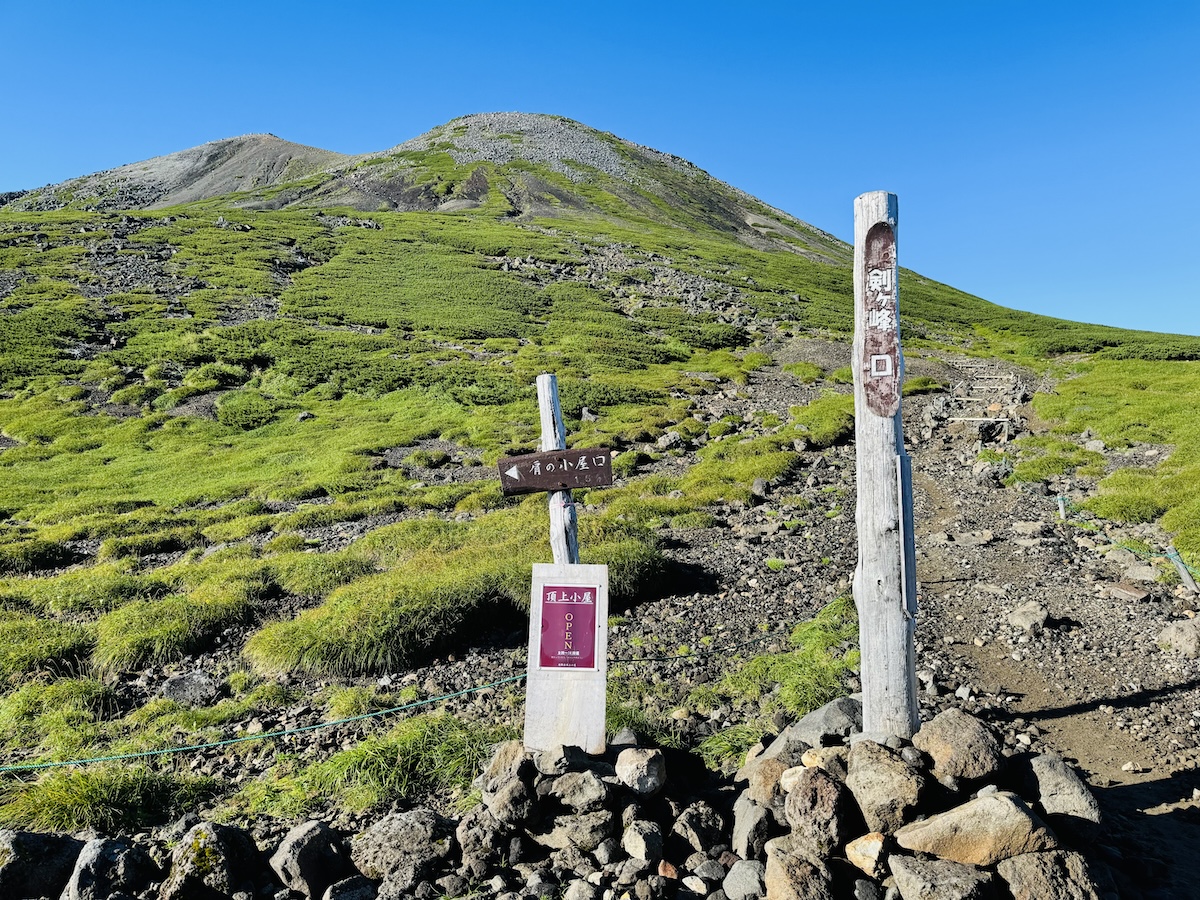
<point>792,876</point>
<point>886,788</point>
<point>642,771</point>
<point>751,827</point>
<point>191,689</point>
<point>110,867</point>
<point>699,825</point>
<point>483,839</point>
<point>980,832</point>
<point>582,830</point>
<point>745,881</point>
<point>1054,875</point>
<point>1182,638</point>
<point>403,848</point>
<point>354,888</point>
<point>311,858</point>
<point>643,840</point>
<point>581,791</point>
<point>1067,803</point>
<point>36,865</point>
<point>867,853</point>
<point>212,858</point>
<point>1030,616</point>
<point>831,724</point>
<point>818,809</point>
<point>939,879</point>
<point>960,746</point>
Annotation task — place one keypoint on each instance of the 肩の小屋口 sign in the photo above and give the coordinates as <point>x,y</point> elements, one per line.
<point>568,627</point>
<point>555,470</point>
<point>881,338</point>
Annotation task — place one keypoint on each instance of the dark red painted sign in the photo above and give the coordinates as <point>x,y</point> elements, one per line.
<point>881,346</point>
<point>556,470</point>
<point>568,627</point>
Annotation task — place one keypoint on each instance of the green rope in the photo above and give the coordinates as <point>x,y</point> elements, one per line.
<point>191,748</point>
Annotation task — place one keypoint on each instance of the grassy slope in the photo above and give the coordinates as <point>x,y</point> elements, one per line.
<point>387,336</point>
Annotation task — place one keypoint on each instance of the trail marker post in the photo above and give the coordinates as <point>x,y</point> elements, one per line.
<point>885,582</point>
<point>567,667</point>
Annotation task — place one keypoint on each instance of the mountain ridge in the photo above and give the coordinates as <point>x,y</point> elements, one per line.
<point>520,165</point>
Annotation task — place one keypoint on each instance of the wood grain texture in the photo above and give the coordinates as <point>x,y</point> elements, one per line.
<point>885,577</point>
<point>564,525</point>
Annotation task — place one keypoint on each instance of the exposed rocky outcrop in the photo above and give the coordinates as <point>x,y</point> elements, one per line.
<point>567,824</point>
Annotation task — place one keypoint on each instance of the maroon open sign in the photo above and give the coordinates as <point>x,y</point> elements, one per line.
<point>568,639</point>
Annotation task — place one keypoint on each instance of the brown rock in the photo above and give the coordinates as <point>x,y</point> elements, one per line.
<point>980,832</point>
<point>791,876</point>
<point>1056,875</point>
<point>887,788</point>
<point>960,745</point>
<point>818,810</point>
<point>866,852</point>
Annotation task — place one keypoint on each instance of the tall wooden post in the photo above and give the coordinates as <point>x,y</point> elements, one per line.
<point>564,524</point>
<point>885,584</point>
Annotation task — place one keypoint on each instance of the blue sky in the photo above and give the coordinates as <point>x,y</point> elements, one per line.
<point>1045,154</point>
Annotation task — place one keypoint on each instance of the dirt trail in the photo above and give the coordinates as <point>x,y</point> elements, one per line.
<point>1091,686</point>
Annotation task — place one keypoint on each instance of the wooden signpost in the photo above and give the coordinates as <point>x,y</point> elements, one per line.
<point>567,669</point>
<point>885,582</point>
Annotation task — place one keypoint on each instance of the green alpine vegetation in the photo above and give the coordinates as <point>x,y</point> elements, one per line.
<point>262,426</point>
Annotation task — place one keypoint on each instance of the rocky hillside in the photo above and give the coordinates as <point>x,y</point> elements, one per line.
<point>516,164</point>
<point>249,516</point>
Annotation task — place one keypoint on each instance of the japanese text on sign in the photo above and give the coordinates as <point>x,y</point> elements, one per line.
<point>568,639</point>
<point>881,340</point>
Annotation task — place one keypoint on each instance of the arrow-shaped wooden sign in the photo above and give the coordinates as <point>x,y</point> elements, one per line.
<point>556,470</point>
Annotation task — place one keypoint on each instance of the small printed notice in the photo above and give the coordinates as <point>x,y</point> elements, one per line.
<point>568,639</point>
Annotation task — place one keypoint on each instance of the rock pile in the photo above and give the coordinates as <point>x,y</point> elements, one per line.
<point>818,811</point>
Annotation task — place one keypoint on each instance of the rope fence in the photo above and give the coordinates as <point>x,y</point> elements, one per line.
<point>303,729</point>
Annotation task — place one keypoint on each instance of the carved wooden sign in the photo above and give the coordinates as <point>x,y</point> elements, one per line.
<point>881,338</point>
<point>555,470</point>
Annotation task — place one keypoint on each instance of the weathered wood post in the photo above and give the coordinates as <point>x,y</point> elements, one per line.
<point>568,606</point>
<point>564,524</point>
<point>885,583</point>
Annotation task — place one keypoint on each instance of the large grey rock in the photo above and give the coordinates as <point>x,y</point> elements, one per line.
<point>643,840</point>
<point>642,771</point>
<point>792,876</point>
<point>108,868</point>
<point>212,858</point>
<point>36,865</point>
<point>886,788</point>
<point>746,880</point>
<point>831,724</point>
<point>1055,875</point>
<point>191,689</point>
<point>980,832</point>
<point>483,839</point>
<point>1068,804</point>
<point>512,802</point>
<point>354,888</point>
<point>403,848</point>
<point>582,830</point>
<point>751,827</point>
<point>509,761</point>
<point>311,858</point>
<point>818,810</point>
<point>581,791</point>
<point>961,746</point>
<point>700,825</point>
<point>939,879</point>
